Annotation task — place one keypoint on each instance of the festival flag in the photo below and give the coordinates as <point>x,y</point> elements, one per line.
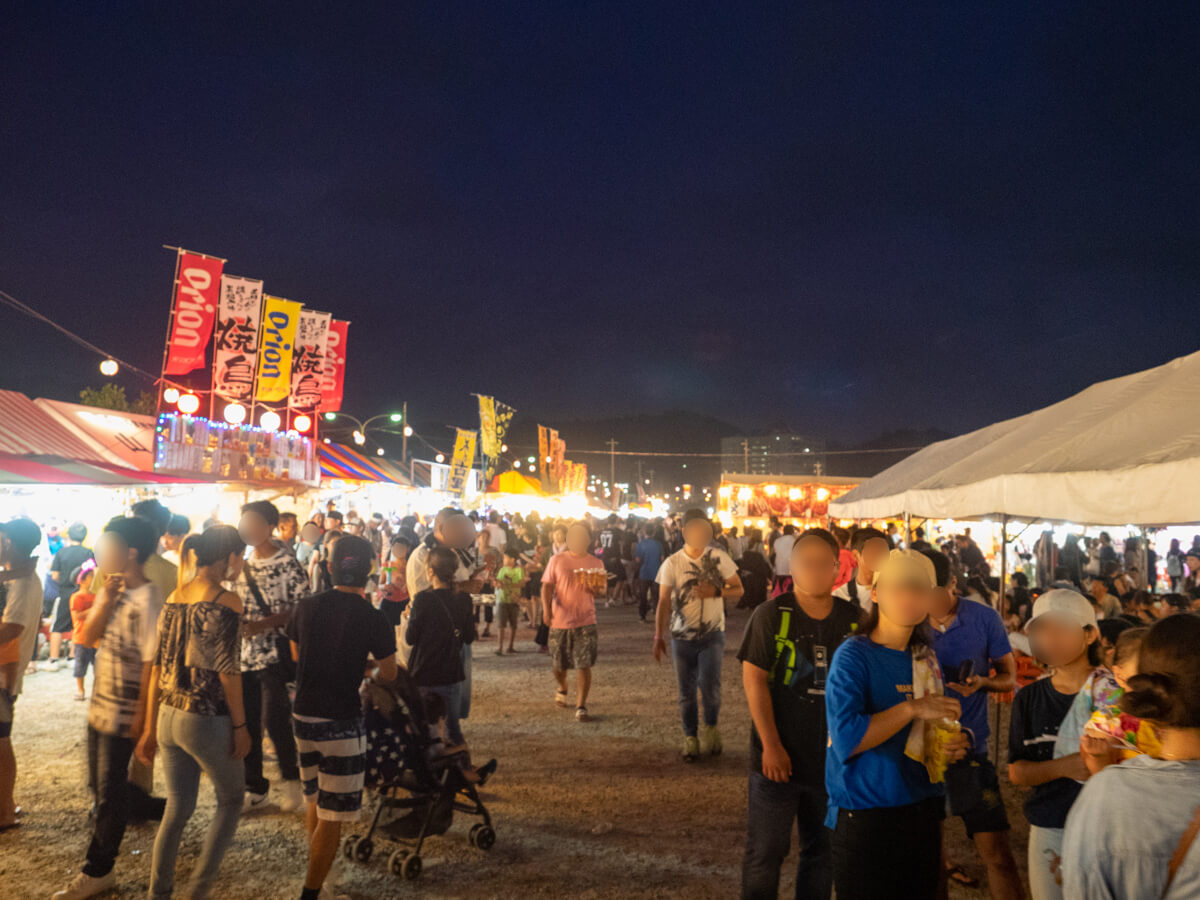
<point>552,485</point>
<point>196,289</point>
<point>308,359</point>
<point>580,481</point>
<point>543,453</point>
<point>462,461</point>
<point>489,443</point>
<point>280,318</point>
<point>558,453</point>
<point>235,348</point>
<point>333,371</point>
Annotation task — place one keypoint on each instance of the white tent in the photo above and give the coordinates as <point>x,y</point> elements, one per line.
<point>1125,451</point>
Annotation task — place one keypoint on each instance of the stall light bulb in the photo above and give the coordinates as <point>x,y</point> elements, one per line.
<point>269,421</point>
<point>441,457</point>
<point>379,452</point>
<point>109,367</point>
<point>188,404</point>
<point>171,395</point>
<point>302,423</point>
<point>235,414</point>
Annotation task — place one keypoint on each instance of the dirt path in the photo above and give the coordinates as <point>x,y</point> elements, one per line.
<point>598,810</point>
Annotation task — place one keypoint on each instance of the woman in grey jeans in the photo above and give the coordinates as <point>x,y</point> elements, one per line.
<point>195,709</point>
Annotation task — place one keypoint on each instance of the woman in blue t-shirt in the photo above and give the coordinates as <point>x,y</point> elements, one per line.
<point>885,812</point>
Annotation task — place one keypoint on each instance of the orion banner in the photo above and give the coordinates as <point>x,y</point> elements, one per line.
<point>462,461</point>
<point>196,288</point>
<point>543,456</point>
<point>280,320</point>
<point>333,371</point>
<point>235,347</point>
<point>308,359</point>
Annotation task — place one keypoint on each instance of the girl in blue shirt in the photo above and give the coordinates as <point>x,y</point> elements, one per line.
<point>886,815</point>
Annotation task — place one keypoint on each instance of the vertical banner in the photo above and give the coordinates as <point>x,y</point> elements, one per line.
<point>280,319</point>
<point>489,445</point>
<point>543,452</point>
<point>580,480</point>
<point>235,347</point>
<point>308,359</point>
<point>462,461</point>
<point>559,453</point>
<point>333,371</point>
<point>551,464</point>
<point>195,308</point>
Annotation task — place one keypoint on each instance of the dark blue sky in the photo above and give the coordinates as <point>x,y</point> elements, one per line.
<point>850,219</point>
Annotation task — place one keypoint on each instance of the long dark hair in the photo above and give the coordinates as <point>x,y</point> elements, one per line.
<point>207,548</point>
<point>1167,686</point>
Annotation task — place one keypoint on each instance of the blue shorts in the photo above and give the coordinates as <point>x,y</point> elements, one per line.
<point>333,758</point>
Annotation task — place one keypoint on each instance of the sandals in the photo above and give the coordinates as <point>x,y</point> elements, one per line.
<point>958,875</point>
<point>581,714</point>
<point>560,699</point>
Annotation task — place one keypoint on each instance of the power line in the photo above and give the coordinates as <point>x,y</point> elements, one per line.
<point>10,300</point>
<point>575,452</point>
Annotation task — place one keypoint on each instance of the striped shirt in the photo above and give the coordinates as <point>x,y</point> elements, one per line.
<point>130,641</point>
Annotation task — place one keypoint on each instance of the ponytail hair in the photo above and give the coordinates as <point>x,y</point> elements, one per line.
<point>918,640</point>
<point>199,551</point>
<point>1166,689</point>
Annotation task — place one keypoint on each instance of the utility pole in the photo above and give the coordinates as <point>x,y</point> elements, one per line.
<point>746,456</point>
<point>404,435</point>
<point>612,464</point>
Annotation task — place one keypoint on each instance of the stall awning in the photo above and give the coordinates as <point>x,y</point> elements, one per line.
<point>338,461</point>
<point>516,483</point>
<point>27,428</point>
<point>47,468</point>
<point>1121,451</point>
<point>121,438</point>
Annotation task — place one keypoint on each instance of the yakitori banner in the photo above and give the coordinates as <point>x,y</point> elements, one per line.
<point>196,290</point>
<point>333,372</point>
<point>543,457</point>
<point>235,348</point>
<point>558,454</point>
<point>462,461</point>
<point>280,320</point>
<point>308,359</point>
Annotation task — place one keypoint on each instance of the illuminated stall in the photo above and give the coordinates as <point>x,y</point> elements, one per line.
<point>750,501</point>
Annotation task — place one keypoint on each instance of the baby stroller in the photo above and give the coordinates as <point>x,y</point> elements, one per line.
<point>407,770</point>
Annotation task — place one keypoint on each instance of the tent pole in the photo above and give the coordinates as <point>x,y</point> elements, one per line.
<point>907,530</point>
<point>1000,602</point>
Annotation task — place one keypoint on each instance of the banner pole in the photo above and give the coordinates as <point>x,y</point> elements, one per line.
<point>162,373</point>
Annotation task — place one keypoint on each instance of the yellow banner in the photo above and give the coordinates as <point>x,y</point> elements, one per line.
<point>489,441</point>
<point>462,461</point>
<point>279,321</point>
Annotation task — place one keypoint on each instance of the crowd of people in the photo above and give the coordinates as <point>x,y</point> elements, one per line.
<point>867,661</point>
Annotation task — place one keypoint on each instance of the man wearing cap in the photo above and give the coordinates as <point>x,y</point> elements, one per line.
<point>694,585</point>
<point>970,641</point>
<point>20,618</point>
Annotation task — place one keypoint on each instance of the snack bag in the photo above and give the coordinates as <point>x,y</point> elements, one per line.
<point>927,740</point>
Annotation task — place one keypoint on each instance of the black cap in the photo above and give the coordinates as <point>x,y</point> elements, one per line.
<point>24,534</point>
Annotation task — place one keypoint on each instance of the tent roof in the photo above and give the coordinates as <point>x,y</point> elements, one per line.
<point>1120,451</point>
<point>121,438</point>
<point>339,461</point>
<point>512,482</point>
<point>45,468</point>
<point>27,428</point>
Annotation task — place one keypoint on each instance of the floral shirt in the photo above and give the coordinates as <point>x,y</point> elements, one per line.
<point>694,617</point>
<point>281,582</point>
<point>197,644</point>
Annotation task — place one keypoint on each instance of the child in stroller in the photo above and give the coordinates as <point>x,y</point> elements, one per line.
<point>409,768</point>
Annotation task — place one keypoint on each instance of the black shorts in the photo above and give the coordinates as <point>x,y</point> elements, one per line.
<point>982,807</point>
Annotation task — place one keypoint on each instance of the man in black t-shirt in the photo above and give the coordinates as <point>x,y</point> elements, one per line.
<point>334,635</point>
<point>785,655</point>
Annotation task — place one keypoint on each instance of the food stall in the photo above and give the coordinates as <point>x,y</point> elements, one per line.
<point>750,501</point>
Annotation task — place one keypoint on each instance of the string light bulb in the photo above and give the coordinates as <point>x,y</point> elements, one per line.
<point>109,367</point>
<point>235,414</point>
<point>188,404</point>
<point>171,395</point>
<point>269,421</point>
<point>302,423</point>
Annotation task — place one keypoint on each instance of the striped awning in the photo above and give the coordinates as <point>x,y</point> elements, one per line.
<point>339,461</point>
<point>27,428</point>
<point>46,468</point>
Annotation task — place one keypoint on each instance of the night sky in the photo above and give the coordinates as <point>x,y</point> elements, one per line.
<point>845,219</point>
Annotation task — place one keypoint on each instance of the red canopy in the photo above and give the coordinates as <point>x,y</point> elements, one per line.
<point>45,468</point>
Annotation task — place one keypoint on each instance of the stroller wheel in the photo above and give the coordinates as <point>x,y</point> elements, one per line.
<point>483,837</point>
<point>406,865</point>
<point>358,849</point>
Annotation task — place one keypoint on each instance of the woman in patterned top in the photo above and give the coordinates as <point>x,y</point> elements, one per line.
<point>195,708</point>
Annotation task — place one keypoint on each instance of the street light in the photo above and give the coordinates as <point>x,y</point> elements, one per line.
<point>361,427</point>
<point>359,437</point>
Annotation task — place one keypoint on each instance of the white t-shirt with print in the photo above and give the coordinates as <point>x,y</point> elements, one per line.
<point>693,617</point>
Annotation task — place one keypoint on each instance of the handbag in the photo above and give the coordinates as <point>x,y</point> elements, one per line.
<point>283,647</point>
<point>1181,852</point>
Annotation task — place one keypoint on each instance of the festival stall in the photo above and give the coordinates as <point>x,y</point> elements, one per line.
<point>354,482</point>
<point>750,501</point>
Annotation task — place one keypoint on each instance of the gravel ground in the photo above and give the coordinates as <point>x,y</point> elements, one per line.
<point>604,809</point>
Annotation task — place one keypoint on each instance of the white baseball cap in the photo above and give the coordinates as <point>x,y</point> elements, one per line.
<point>1062,603</point>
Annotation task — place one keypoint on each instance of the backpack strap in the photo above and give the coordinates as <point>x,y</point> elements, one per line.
<point>785,648</point>
<point>1181,852</point>
<point>852,586</point>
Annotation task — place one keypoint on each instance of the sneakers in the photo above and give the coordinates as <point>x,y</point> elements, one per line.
<point>291,797</point>
<point>712,740</point>
<point>255,802</point>
<point>691,749</point>
<point>52,665</point>
<point>86,886</point>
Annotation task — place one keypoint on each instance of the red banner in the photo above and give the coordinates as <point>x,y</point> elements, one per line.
<point>196,292</point>
<point>333,373</point>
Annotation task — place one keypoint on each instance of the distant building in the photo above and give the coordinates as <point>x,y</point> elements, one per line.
<point>778,453</point>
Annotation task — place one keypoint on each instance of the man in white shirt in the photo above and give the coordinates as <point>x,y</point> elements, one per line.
<point>19,621</point>
<point>694,585</point>
<point>870,547</point>
<point>781,552</point>
<point>499,537</point>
